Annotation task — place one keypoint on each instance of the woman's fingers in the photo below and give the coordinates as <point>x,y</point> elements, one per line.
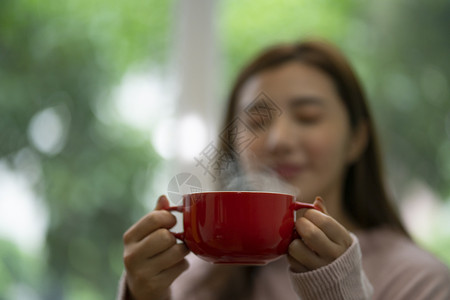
<point>156,242</point>
<point>330,227</point>
<point>167,259</point>
<point>147,284</point>
<point>158,285</point>
<point>316,240</point>
<point>169,275</point>
<point>320,204</point>
<point>149,223</point>
<point>296,266</point>
<point>152,267</point>
<point>152,257</point>
<point>304,255</point>
<point>162,203</point>
<point>323,239</point>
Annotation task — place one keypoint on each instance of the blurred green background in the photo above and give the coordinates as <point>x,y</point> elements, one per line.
<point>84,172</point>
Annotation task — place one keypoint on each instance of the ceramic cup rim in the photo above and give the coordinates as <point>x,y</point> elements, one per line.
<point>240,192</point>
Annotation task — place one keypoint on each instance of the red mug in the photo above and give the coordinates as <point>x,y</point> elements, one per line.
<point>251,228</point>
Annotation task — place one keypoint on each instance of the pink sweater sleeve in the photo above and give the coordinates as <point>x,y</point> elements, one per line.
<point>342,279</point>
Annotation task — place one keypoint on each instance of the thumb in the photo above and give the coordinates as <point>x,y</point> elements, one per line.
<point>320,205</point>
<point>162,203</point>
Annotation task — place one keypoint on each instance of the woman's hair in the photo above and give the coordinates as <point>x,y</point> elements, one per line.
<point>364,195</point>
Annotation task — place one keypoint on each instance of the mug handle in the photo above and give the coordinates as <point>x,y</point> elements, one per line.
<point>299,205</point>
<point>180,208</point>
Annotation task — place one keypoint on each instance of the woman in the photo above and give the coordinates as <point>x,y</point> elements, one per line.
<point>322,141</point>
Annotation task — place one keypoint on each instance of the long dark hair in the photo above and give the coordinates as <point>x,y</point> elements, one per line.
<point>364,195</point>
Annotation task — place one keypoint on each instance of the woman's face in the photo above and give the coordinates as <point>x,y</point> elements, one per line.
<point>307,140</point>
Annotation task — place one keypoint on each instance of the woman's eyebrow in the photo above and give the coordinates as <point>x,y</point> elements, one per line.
<point>294,102</point>
<point>305,100</point>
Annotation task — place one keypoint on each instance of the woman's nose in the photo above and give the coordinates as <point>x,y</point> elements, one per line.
<point>281,137</point>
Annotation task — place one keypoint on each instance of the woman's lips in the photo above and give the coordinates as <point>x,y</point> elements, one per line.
<point>288,170</point>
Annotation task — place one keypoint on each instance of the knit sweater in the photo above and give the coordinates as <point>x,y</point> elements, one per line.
<point>380,264</point>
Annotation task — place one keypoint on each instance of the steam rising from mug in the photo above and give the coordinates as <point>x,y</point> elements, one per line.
<point>234,178</point>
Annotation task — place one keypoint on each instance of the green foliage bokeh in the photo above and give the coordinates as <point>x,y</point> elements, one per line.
<point>71,54</point>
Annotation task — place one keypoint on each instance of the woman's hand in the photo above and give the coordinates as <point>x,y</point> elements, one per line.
<point>322,240</point>
<point>152,258</point>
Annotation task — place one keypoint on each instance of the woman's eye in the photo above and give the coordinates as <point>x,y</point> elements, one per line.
<point>308,119</point>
